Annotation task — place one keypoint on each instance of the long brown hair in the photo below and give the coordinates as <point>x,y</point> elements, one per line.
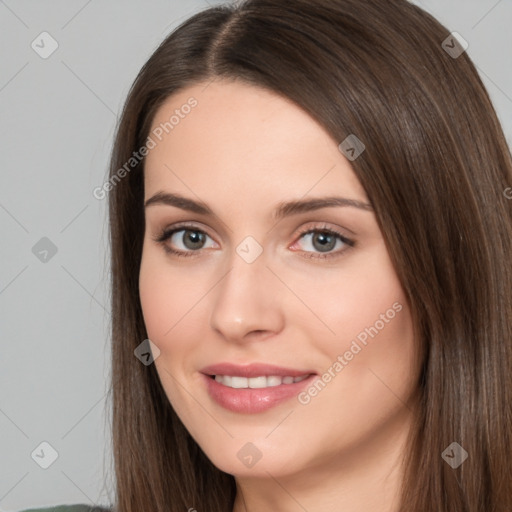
<point>435,169</point>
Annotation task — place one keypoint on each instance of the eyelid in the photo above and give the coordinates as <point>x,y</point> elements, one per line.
<point>183,225</point>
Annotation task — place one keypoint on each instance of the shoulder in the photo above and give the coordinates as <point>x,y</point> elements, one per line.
<point>68,508</point>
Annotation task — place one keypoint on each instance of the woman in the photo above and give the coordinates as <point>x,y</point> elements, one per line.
<point>309,221</point>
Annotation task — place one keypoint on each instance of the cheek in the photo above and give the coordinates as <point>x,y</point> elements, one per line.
<point>362,299</point>
<point>379,376</point>
<point>174,308</point>
<point>372,311</point>
<point>154,297</point>
<point>165,300</point>
<point>166,295</point>
<point>374,341</point>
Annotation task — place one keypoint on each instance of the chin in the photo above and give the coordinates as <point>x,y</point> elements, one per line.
<point>256,458</point>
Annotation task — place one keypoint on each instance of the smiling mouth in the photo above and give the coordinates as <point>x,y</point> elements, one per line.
<point>255,388</point>
<point>236,382</point>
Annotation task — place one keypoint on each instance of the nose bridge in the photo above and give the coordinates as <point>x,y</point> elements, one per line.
<point>245,299</point>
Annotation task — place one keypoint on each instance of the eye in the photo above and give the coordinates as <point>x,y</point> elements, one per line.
<point>324,240</point>
<point>184,240</point>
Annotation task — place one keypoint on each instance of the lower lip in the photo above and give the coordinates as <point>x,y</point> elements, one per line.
<point>250,401</point>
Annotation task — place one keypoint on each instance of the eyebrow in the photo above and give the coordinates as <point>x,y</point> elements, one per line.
<point>283,209</point>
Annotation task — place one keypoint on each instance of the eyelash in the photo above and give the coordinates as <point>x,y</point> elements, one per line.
<point>165,234</point>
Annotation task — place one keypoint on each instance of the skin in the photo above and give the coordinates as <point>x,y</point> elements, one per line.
<point>242,150</point>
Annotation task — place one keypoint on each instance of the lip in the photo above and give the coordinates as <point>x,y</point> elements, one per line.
<point>249,400</point>
<point>253,370</point>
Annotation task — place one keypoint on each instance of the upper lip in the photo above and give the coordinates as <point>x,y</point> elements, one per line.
<point>253,370</point>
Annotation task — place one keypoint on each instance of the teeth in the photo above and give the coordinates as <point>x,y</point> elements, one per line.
<point>239,382</point>
<point>256,382</point>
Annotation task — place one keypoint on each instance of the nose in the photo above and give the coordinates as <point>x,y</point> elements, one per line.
<point>248,302</point>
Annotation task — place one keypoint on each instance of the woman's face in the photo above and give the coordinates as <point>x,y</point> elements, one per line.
<point>292,303</point>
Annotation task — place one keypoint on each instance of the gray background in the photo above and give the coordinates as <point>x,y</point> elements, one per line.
<point>57,124</point>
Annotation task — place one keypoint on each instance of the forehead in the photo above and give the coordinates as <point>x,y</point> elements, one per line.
<point>231,137</point>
